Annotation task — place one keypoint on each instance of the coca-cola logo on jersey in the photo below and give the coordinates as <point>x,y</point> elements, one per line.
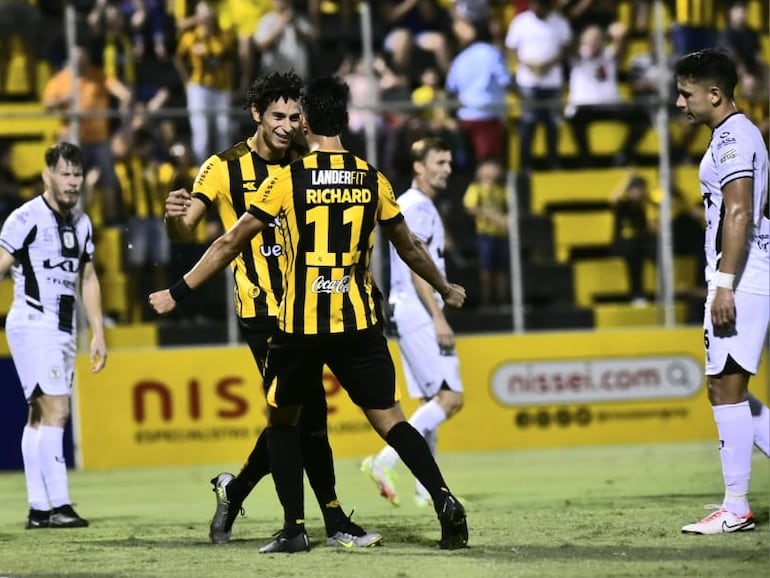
<point>323,285</point>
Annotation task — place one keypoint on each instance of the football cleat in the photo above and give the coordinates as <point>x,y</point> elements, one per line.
<point>454,526</point>
<point>283,544</point>
<point>721,521</point>
<point>351,535</point>
<point>66,517</point>
<point>37,519</point>
<point>222,523</point>
<point>382,478</point>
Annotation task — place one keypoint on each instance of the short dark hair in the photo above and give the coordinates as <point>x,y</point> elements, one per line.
<point>63,150</point>
<point>422,147</point>
<point>325,105</point>
<point>709,65</point>
<point>269,88</point>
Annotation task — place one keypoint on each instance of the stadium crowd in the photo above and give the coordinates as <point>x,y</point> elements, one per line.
<point>161,85</point>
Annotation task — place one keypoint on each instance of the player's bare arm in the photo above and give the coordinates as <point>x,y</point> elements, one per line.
<point>413,253</point>
<point>221,252</point>
<point>444,333</point>
<point>737,204</point>
<point>183,213</point>
<point>92,301</point>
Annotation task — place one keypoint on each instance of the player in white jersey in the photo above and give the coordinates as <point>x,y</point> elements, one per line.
<point>425,338</point>
<point>47,243</point>
<point>734,183</point>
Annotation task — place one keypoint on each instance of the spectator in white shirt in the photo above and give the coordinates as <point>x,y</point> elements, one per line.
<point>538,39</point>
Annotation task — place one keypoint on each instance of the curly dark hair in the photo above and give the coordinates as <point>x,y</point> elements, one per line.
<point>324,103</point>
<point>63,150</point>
<point>709,65</point>
<point>269,88</point>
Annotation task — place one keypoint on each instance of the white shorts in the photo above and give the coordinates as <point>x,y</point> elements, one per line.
<point>752,318</point>
<point>43,355</point>
<point>426,366</point>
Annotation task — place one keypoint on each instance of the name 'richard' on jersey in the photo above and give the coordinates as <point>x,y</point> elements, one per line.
<point>325,196</point>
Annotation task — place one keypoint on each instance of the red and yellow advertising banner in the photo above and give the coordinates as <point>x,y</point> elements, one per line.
<point>204,405</point>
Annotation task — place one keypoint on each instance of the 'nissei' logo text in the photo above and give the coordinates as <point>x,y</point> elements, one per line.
<point>323,285</point>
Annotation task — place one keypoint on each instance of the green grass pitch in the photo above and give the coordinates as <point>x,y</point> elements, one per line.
<point>583,512</point>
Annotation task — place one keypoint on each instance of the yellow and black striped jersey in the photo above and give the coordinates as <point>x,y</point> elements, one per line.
<point>140,188</point>
<point>230,180</point>
<point>327,204</point>
<point>697,12</point>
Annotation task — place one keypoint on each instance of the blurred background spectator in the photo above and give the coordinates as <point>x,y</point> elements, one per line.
<point>594,92</point>
<point>94,128</point>
<point>479,79</point>
<point>539,40</point>
<point>283,39</point>
<point>635,227</point>
<point>486,199</point>
<point>411,24</point>
<point>146,247</point>
<point>19,20</point>
<point>204,60</point>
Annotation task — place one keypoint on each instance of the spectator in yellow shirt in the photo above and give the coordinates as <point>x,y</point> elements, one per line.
<point>486,200</point>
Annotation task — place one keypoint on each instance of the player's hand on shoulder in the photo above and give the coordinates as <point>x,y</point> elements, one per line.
<point>454,295</point>
<point>177,203</point>
<point>162,302</point>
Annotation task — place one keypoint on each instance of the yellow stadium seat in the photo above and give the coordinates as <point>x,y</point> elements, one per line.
<point>687,181</point>
<point>6,296</point>
<point>581,229</point>
<point>685,273</point>
<point>115,298</point>
<point>28,158</point>
<point>27,120</point>
<point>109,250</point>
<point>596,277</point>
<point>605,137</point>
<point>596,185</point>
<point>626,315</point>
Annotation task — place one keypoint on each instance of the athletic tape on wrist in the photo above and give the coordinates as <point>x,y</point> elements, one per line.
<point>725,280</point>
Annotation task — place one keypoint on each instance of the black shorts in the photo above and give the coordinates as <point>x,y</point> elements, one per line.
<point>257,333</point>
<point>361,362</point>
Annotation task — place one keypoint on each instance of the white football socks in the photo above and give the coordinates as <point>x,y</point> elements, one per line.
<point>36,494</point>
<point>52,464</point>
<point>736,435</point>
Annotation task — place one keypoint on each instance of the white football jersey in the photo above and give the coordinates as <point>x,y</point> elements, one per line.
<point>50,251</point>
<point>736,151</point>
<point>424,220</point>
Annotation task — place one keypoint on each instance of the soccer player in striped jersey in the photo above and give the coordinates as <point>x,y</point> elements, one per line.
<point>229,181</point>
<point>48,244</point>
<point>734,182</point>
<point>328,203</point>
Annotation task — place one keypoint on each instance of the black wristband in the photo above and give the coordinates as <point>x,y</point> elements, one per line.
<point>180,290</point>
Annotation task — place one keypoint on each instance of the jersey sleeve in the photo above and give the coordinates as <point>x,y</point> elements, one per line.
<point>211,181</point>
<point>89,250</point>
<point>733,156</point>
<point>16,229</point>
<point>271,194</point>
<point>420,218</point>
<point>388,211</point>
